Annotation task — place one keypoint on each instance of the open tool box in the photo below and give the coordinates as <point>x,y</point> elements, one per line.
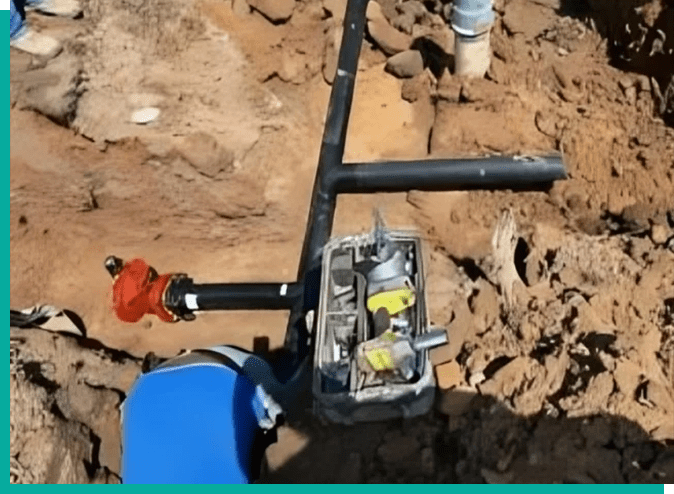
<point>371,359</point>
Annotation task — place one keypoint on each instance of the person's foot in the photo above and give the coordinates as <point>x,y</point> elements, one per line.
<point>63,8</point>
<point>36,43</point>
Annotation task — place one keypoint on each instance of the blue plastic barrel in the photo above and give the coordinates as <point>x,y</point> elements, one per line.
<point>189,424</point>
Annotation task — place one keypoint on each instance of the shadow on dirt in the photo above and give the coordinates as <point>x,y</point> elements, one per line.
<point>485,443</point>
<point>640,36</point>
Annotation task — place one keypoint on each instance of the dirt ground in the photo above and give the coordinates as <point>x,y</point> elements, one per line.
<point>565,376</point>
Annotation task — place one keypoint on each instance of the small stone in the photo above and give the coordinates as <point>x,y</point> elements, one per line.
<point>659,234</point>
<point>403,22</point>
<point>448,375</point>
<point>475,379</point>
<point>276,11</point>
<point>562,52</point>
<point>405,64</point>
<point>374,12</point>
<point>388,38</point>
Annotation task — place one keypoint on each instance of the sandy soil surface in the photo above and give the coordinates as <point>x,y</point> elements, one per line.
<point>564,374</point>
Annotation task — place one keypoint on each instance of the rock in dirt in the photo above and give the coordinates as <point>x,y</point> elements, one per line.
<point>458,329</point>
<point>509,378</point>
<point>65,416</point>
<point>485,306</point>
<point>388,38</point>
<point>448,375</point>
<point>206,155</point>
<point>593,400</point>
<point>276,11</point>
<point>405,64</point>
<point>527,18</point>
<point>415,89</point>
<point>659,234</point>
<point>374,12</point>
<point>403,22</point>
<point>52,91</point>
<point>547,380</point>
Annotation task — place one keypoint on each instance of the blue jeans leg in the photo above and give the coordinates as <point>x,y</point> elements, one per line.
<point>15,20</point>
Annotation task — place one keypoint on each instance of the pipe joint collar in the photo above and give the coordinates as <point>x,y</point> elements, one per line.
<point>472,17</point>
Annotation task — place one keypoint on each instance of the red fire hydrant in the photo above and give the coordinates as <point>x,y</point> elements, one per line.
<point>138,290</point>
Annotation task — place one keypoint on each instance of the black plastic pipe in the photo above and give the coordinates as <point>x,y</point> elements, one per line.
<point>498,172</point>
<point>322,209</point>
<point>332,178</point>
<point>243,296</point>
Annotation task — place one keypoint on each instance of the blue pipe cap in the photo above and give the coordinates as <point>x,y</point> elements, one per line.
<point>472,17</point>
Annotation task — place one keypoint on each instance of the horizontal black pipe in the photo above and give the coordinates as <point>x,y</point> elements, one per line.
<point>185,296</point>
<point>497,172</point>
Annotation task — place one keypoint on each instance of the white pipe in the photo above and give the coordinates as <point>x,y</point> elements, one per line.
<point>471,22</point>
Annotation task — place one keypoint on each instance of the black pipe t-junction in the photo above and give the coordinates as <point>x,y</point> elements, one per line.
<point>333,177</point>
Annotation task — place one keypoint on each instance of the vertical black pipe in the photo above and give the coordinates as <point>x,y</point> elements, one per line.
<point>322,208</point>
<point>321,213</point>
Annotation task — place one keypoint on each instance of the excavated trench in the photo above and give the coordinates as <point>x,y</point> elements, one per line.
<point>572,383</point>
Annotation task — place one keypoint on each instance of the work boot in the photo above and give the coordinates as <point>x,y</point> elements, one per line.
<point>36,43</point>
<point>63,8</point>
